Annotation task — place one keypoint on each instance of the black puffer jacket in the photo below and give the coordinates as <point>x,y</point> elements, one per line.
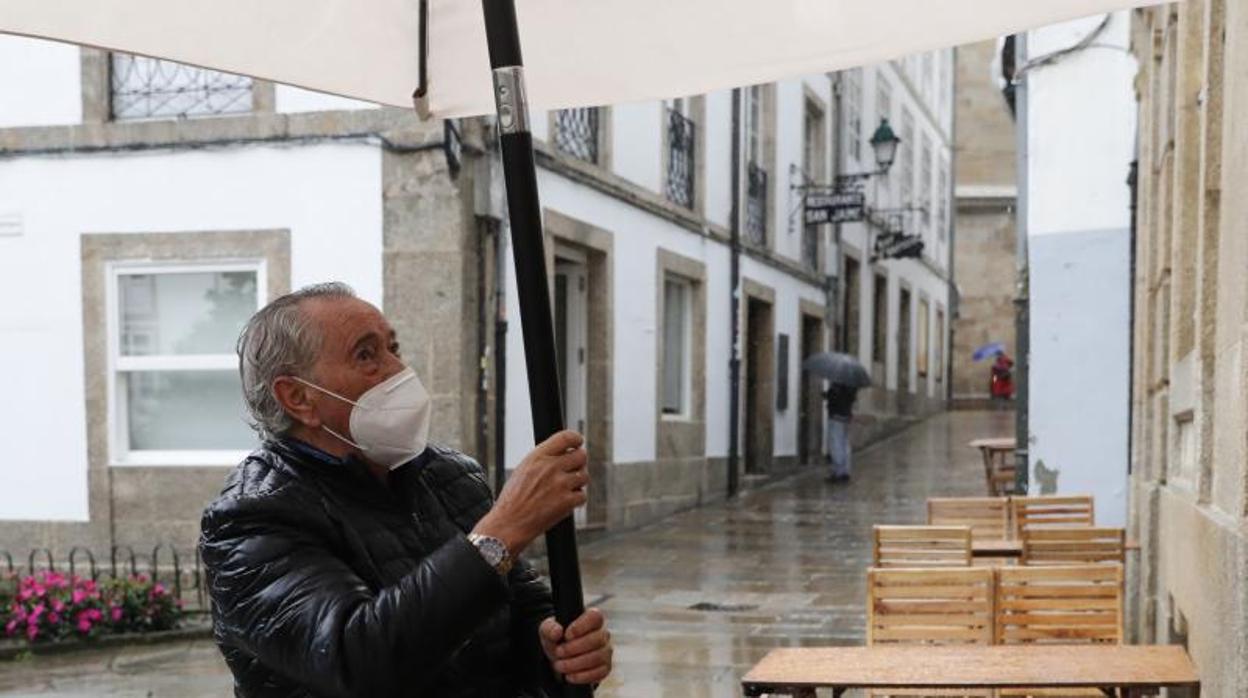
<point>326,582</point>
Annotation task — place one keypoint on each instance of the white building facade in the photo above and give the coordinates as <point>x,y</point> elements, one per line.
<point>1078,117</point>
<point>147,208</point>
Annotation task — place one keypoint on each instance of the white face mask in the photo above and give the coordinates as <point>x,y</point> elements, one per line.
<point>390,421</point>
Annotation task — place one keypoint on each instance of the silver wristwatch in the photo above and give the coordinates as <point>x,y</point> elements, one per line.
<point>494,551</point>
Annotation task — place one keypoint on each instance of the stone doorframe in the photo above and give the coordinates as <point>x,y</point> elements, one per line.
<point>598,245</point>
<point>810,310</point>
<point>764,418</point>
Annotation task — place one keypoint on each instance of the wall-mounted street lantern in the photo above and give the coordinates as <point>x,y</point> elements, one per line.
<point>884,142</point>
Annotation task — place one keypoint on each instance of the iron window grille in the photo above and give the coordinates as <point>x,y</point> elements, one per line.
<point>576,133</point>
<point>681,133</point>
<point>148,88</point>
<point>756,205</point>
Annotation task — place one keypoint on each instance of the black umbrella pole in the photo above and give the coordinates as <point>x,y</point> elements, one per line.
<point>532,285</point>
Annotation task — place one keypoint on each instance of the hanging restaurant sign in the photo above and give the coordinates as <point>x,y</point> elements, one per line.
<point>834,207</point>
<point>898,246</point>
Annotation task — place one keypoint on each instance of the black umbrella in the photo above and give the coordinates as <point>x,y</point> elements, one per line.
<point>838,368</point>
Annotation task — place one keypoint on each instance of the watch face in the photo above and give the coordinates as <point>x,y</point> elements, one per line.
<point>491,549</point>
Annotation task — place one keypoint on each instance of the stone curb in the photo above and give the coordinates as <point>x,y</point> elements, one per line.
<point>10,650</point>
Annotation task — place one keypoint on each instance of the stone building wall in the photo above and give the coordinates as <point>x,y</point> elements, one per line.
<point>983,252</point>
<point>1189,483</point>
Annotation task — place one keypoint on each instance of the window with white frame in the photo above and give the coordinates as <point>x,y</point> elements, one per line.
<point>883,97</point>
<point>942,200</point>
<point>175,397</point>
<point>906,166</point>
<point>677,333</point>
<point>925,181</point>
<point>943,61</point>
<point>926,75</point>
<point>853,113</point>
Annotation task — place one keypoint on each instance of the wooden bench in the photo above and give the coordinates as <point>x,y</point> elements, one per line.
<point>1073,546</point>
<point>922,546</point>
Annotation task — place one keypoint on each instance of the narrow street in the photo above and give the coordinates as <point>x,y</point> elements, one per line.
<point>693,601</point>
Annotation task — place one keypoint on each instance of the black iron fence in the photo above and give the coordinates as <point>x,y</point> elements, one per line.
<point>182,573</point>
<point>576,133</point>
<point>756,205</point>
<point>680,158</point>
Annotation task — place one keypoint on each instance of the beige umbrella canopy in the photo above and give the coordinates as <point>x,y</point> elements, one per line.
<point>577,53</point>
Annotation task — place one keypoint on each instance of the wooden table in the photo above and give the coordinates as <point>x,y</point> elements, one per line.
<point>997,547</point>
<point>995,452</point>
<point>1125,668</point>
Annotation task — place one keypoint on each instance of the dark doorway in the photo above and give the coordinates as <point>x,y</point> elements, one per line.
<point>759,386</point>
<point>903,342</point>
<point>810,402</point>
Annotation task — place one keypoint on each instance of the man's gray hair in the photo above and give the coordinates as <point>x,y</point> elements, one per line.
<point>280,340</point>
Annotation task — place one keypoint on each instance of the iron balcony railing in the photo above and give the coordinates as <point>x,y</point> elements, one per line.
<point>680,158</point>
<point>576,133</point>
<point>756,205</point>
<point>148,88</point>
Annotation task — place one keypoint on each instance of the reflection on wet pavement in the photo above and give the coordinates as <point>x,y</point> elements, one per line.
<point>693,601</point>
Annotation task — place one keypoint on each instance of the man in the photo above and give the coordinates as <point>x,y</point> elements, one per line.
<point>348,557</point>
<point>840,397</point>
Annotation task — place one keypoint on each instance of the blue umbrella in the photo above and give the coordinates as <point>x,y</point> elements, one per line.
<point>988,351</point>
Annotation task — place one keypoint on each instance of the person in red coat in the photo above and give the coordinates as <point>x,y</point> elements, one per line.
<point>1002,381</point>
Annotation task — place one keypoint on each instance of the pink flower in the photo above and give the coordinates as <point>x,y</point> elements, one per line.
<point>36,612</point>
<point>10,627</point>
<point>159,589</point>
<point>115,613</point>
<point>32,632</point>
<point>58,605</point>
<point>89,585</point>
<point>54,618</point>
<point>84,625</point>
<point>79,596</point>
<point>39,589</point>
<point>24,594</point>
<point>93,614</point>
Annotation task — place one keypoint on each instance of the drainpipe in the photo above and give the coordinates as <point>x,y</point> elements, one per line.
<point>734,360</point>
<point>836,286</point>
<point>1022,308</point>
<point>500,358</point>
<point>952,299</point>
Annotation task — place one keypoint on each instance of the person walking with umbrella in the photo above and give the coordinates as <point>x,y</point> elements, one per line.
<point>845,375</point>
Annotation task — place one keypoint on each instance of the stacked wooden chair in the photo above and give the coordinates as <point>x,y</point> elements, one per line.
<point>1050,511</point>
<point>952,606</point>
<point>922,546</point>
<point>987,517</point>
<point>1067,605</point>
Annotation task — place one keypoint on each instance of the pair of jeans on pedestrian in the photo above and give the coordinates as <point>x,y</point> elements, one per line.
<point>838,446</point>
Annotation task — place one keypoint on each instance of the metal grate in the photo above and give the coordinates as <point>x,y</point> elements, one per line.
<point>147,88</point>
<point>756,205</point>
<point>680,158</point>
<point>576,133</point>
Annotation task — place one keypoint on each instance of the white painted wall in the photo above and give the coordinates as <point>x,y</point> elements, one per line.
<point>328,196</point>
<point>289,99</point>
<point>1081,126</point>
<point>40,83</point>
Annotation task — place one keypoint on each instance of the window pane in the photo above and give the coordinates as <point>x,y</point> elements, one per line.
<point>184,313</point>
<point>673,346</point>
<point>186,410</point>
